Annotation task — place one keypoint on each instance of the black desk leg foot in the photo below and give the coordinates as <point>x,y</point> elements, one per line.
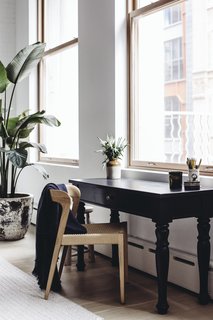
<point>162,266</point>
<point>114,218</point>
<point>81,218</point>
<point>203,253</point>
<point>80,263</point>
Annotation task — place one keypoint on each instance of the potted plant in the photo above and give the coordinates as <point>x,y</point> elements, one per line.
<point>113,150</point>
<point>16,209</point>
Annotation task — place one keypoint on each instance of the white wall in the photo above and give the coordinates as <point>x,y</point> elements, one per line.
<point>102,89</point>
<point>7,30</point>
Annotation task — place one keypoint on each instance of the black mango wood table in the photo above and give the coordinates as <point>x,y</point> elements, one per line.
<point>155,201</point>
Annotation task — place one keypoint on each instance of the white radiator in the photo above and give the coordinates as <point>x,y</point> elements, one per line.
<point>183,267</point>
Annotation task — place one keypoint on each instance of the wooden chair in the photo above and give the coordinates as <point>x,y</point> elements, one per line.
<point>90,249</point>
<point>104,233</point>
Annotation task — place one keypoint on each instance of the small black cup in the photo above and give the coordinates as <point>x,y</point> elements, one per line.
<point>175,180</point>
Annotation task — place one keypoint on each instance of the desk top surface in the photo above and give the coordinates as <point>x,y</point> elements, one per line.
<point>144,186</point>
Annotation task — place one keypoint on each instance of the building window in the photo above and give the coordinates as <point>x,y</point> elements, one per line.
<point>173,59</point>
<point>58,21</point>
<point>172,103</point>
<point>172,15</point>
<point>171,94</point>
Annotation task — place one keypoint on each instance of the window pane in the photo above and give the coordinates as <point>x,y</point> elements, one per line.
<point>171,88</point>
<point>61,21</point>
<point>173,59</point>
<point>61,100</point>
<point>172,15</point>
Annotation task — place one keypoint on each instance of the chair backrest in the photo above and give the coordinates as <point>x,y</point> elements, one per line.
<point>75,195</point>
<point>68,200</point>
<point>66,203</point>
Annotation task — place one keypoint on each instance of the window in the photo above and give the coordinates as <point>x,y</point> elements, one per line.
<point>172,15</point>
<point>171,88</point>
<point>58,21</point>
<point>173,59</point>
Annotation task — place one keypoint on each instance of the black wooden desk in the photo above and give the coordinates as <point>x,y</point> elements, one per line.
<point>155,201</point>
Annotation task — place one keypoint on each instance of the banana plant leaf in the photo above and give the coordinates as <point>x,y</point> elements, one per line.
<point>23,125</point>
<point>50,121</point>
<point>38,118</point>
<point>18,157</point>
<point>22,133</point>
<point>23,63</point>
<point>3,78</point>
<point>40,146</point>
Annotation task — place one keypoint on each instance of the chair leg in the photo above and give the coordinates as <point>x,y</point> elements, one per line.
<point>126,256</point>
<point>68,257</point>
<point>52,270</point>
<point>121,249</point>
<point>65,253</point>
<point>91,253</point>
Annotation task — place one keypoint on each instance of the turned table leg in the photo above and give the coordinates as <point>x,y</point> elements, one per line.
<point>203,253</point>
<point>81,218</point>
<point>162,265</point>
<point>114,218</point>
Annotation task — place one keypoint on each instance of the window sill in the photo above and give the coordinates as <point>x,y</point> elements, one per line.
<point>160,176</point>
<point>60,165</point>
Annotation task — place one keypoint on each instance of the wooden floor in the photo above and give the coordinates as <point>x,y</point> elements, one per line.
<point>97,289</point>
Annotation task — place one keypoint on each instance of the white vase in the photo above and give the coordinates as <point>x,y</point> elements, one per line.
<point>113,169</point>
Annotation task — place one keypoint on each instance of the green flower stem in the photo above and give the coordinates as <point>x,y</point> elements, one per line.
<point>13,178</point>
<point>10,104</point>
<point>16,180</point>
<point>5,104</point>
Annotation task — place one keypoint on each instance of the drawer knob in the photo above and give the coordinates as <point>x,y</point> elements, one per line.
<point>107,197</point>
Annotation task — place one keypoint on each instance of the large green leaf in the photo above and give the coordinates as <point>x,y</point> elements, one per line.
<point>12,123</point>
<point>40,146</point>
<point>24,133</point>
<point>30,121</point>
<point>24,124</point>
<point>3,78</point>
<point>18,157</point>
<point>23,63</point>
<point>50,121</point>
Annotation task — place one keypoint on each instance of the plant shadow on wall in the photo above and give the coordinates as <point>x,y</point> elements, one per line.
<point>112,150</point>
<point>14,137</point>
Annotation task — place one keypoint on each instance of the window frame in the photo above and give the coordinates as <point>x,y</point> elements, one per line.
<point>55,50</point>
<point>135,11</point>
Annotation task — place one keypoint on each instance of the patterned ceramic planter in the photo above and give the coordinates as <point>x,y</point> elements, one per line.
<point>15,216</point>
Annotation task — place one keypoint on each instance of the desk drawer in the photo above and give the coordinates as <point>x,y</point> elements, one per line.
<point>119,199</point>
<point>97,195</point>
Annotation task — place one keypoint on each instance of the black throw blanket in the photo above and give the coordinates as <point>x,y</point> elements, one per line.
<point>48,217</point>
